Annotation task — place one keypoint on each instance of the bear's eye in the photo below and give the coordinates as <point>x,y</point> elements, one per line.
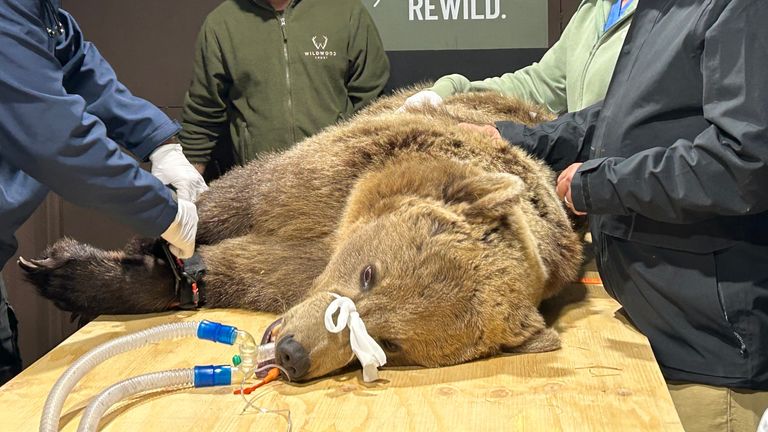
<point>390,346</point>
<point>367,277</point>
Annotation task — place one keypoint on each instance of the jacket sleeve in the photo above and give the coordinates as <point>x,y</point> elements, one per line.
<point>560,142</point>
<point>49,134</point>
<point>543,83</point>
<point>368,63</point>
<point>204,117</point>
<point>724,170</point>
<point>132,122</point>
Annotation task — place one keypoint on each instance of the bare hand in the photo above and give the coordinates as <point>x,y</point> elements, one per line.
<point>563,188</point>
<point>488,130</point>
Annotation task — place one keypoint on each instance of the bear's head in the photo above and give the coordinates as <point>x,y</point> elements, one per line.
<point>443,268</point>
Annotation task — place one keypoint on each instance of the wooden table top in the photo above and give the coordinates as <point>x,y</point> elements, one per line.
<point>604,378</point>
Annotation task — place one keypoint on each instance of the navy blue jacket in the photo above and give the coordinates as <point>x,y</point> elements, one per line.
<point>675,179</point>
<point>63,114</point>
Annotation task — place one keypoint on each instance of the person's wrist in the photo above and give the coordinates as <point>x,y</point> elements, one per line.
<point>164,151</point>
<point>172,140</point>
<point>443,88</point>
<point>578,191</point>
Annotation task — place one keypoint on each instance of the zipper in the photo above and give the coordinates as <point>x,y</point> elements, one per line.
<point>245,143</point>
<point>281,18</point>
<point>53,26</point>
<point>586,66</point>
<point>598,150</point>
<point>742,345</point>
<point>600,40</point>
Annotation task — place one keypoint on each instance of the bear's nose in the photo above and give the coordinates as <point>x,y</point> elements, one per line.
<point>292,356</point>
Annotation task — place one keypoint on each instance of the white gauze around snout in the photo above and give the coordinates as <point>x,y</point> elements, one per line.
<point>367,351</point>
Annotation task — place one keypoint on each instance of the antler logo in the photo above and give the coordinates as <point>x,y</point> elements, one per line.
<point>320,44</point>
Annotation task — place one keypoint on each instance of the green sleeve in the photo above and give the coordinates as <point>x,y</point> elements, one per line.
<point>369,69</point>
<point>542,83</point>
<point>204,117</point>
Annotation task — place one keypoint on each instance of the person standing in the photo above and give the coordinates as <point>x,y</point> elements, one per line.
<point>269,73</point>
<point>63,116</point>
<point>671,170</point>
<point>573,74</point>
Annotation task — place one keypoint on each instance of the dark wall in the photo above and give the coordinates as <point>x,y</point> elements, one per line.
<point>150,45</point>
<point>408,67</point>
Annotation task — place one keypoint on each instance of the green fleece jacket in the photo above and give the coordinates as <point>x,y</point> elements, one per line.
<point>573,74</point>
<point>263,80</point>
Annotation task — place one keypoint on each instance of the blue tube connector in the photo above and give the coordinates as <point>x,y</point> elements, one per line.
<point>211,376</point>
<point>217,332</point>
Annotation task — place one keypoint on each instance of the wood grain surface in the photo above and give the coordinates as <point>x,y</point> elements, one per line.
<point>604,378</point>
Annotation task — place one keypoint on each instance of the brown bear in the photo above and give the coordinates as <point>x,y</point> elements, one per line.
<point>446,239</point>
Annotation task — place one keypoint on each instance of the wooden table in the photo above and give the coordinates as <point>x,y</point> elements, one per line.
<point>603,379</point>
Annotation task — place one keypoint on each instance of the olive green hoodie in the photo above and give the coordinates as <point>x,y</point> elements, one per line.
<point>571,75</point>
<point>263,80</point>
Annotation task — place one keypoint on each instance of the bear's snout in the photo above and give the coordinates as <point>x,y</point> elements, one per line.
<point>292,356</point>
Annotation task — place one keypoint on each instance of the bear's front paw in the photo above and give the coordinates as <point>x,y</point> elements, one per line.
<point>89,281</point>
<point>66,273</point>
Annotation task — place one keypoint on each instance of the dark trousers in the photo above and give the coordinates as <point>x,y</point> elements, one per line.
<point>10,359</point>
<point>704,312</point>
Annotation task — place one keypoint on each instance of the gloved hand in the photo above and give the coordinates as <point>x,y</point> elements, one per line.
<point>422,97</point>
<point>181,233</point>
<point>171,167</point>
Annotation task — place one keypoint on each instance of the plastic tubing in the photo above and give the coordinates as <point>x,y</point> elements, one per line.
<point>49,422</point>
<point>199,376</point>
<point>129,387</point>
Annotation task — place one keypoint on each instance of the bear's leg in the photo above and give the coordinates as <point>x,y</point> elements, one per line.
<point>527,332</point>
<point>91,281</point>
<point>545,340</point>
<point>246,272</point>
<point>222,215</point>
<point>261,273</point>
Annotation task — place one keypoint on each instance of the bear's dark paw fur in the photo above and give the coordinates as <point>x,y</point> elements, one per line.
<point>89,281</point>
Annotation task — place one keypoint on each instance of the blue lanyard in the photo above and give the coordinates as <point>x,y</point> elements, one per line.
<point>617,11</point>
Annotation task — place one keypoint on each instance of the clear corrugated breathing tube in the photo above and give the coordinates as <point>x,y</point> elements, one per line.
<point>253,359</point>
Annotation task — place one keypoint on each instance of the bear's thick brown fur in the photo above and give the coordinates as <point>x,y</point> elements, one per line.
<point>446,239</point>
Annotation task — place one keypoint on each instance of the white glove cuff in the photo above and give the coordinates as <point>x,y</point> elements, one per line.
<point>162,151</point>
<point>182,231</point>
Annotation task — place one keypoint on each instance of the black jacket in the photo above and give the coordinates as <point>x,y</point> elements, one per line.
<point>676,158</point>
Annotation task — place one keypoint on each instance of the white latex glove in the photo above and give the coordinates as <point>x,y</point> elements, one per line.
<point>763,426</point>
<point>422,97</point>
<point>171,167</point>
<point>181,233</point>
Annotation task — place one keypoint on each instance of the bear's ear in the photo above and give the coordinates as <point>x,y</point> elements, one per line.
<point>490,196</point>
<point>528,333</point>
<point>543,341</point>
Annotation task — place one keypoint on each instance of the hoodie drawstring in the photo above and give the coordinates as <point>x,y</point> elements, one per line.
<point>51,19</point>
